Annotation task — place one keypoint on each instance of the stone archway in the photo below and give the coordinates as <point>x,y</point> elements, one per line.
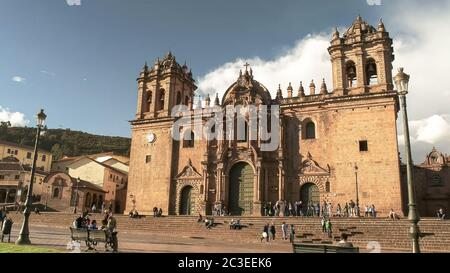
<point>310,194</point>
<point>240,189</point>
<point>187,201</point>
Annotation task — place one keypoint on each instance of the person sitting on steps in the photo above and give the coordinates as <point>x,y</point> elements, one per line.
<point>441,214</point>
<point>393,215</point>
<point>343,242</point>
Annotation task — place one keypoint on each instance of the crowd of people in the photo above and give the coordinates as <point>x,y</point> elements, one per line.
<point>269,232</point>
<point>314,209</point>
<point>108,223</point>
<point>157,212</point>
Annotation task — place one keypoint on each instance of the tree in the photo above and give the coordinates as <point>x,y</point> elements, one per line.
<point>57,151</point>
<point>4,125</point>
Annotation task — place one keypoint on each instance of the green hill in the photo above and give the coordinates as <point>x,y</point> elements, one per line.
<point>65,141</point>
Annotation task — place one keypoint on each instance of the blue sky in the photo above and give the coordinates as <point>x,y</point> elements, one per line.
<point>80,63</point>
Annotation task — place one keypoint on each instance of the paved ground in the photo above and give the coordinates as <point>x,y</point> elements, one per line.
<point>149,243</point>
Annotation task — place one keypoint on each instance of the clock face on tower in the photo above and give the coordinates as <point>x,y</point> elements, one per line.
<point>151,137</point>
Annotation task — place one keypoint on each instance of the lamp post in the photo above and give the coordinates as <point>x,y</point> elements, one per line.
<point>76,197</point>
<point>401,81</point>
<point>24,238</point>
<point>357,190</point>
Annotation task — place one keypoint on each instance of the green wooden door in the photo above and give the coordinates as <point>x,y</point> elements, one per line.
<point>241,189</point>
<point>310,193</point>
<point>187,201</point>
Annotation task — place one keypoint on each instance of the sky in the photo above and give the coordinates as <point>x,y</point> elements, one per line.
<point>79,59</point>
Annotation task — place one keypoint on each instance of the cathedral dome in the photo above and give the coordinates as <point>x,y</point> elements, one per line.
<point>246,90</point>
<point>359,27</point>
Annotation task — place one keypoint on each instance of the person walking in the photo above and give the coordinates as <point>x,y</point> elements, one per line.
<point>328,228</point>
<point>291,234</point>
<point>339,210</point>
<point>322,223</point>
<point>272,232</point>
<point>112,229</point>
<point>265,233</point>
<point>374,212</point>
<point>284,231</point>
<point>366,211</point>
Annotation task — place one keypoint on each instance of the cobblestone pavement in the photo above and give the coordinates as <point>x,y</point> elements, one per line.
<point>59,238</point>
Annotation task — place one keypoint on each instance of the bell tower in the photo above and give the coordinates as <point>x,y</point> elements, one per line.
<point>362,59</point>
<point>163,86</point>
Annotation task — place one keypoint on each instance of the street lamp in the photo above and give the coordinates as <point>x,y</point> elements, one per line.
<point>357,190</point>
<point>24,238</point>
<point>401,81</point>
<point>76,197</point>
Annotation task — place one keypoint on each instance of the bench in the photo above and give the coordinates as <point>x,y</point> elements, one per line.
<point>322,248</point>
<point>91,237</point>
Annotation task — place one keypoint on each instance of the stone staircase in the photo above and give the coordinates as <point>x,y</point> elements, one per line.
<point>365,233</point>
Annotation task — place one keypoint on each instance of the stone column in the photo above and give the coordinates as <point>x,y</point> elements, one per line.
<point>6,197</point>
<point>266,185</point>
<point>154,99</point>
<point>360,71</point>
<point>205,191</point>
<point>280,181</point>
<point>225,183</point>
<point>257,204</point>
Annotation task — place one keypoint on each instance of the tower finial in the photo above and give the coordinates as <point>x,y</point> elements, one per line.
<point>216,101</point>
<point>279,92</point>
<point>207,100</point>
<point>246,66</point>
<point>289,90</point>
<point>301,90</point>
<point>312,88</point>
<point>381,27</point>
<point>335,33</point>
<point>323,88</point>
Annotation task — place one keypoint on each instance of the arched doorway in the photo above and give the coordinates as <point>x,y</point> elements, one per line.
<point>240,200</point>
<point>87,202</point>
<point>309,193</point>
<point>187,201</point>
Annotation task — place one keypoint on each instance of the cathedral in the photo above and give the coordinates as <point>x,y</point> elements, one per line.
<point>336,144</point>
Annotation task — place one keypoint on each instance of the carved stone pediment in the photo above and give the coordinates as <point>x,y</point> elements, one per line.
<point>310,166</point>
<point>189,172</point>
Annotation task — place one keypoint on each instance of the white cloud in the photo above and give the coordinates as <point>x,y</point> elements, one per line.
<point>308,59</point>
<point>48,73</point>
<point>73,2</point>
<point>432,130</point>
<point>18,79</point>
<point>16,118</point>
<point>420,36</point>
<point>426,133</point>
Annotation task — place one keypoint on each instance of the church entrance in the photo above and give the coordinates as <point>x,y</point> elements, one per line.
<point>187,202</point>
<point>309,193</point>
<point>240,189</point>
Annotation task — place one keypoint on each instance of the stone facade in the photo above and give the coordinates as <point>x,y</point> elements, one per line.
<point>324,135</point>
<point>15,181</point>
<point>112,180</point>
<point>62,189</point>
<point>432,184</point>
<point>24,154</point>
